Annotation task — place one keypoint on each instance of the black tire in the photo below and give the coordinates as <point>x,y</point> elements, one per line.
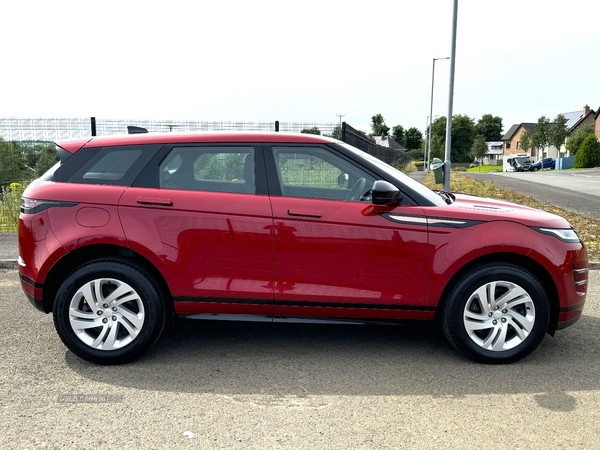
<point>136,311</point>
<point>478,331</point>
<point>535,169</point>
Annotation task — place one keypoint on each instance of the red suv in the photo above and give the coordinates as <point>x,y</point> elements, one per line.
<point>127,231</point>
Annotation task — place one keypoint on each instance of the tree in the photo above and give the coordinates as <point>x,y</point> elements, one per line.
<point>525,144</point>
<point>398,135</point>
<point>588,154</point>
<point>313,130</point>
<point>541,134</point>
<point>337,133</point>
<point>490,127</point>
<point>12,164</point>
<point>463,136</point>
<point>414,138</point>
<point>48,157</point>
<point>577,137</point>
<point>558,132</point>
<point>417,154</point>
<point>480,148</point>
<point>378,126</point>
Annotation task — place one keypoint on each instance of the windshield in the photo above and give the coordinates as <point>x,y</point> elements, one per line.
<point>400,178</point>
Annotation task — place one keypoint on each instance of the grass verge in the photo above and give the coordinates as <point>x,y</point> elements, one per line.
<point>485,169</point>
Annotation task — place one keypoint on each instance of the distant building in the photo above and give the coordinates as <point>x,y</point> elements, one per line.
<point>494,150</point>
<point>512,138</point>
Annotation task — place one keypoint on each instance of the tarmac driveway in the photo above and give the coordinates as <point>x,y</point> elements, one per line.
<point>574,190</point>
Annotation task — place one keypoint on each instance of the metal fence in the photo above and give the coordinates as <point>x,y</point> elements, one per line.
<point>389,155</point>
<point>54,129</point>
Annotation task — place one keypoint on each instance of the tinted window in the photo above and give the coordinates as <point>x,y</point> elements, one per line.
<point>112,166</point>
<point>108,165</point>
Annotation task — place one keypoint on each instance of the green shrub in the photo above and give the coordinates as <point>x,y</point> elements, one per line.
<point>577,137</point>
<point>10,206</point>
<point>410,167</point>
<point>459,169</point>
<point>588,154</point>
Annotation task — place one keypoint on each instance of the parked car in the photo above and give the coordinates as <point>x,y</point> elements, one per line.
<point>545,163</point>
<point>126,232</point>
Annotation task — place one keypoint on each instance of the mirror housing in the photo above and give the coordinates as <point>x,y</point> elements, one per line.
<point>384,193</point>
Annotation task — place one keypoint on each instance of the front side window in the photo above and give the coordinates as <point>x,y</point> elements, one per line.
<point>315,172</point>
<point>217,169</point>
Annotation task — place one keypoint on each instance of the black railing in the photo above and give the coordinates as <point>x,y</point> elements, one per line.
<point>389,155</point>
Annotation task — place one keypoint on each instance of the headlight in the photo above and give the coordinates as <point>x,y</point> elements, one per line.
<point>564,234</point>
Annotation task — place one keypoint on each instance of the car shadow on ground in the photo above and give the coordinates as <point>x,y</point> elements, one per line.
<point>234,358</point>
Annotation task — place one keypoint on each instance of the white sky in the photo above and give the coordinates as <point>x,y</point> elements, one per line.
<point>263,60</point>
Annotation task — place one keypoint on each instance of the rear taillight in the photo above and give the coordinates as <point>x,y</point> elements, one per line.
<point>34,206</point>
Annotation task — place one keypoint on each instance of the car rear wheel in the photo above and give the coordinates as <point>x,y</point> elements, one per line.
<point>109,312</point>
<point>497,313</point>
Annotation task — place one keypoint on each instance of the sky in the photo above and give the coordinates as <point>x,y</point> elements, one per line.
<point>306,61</point>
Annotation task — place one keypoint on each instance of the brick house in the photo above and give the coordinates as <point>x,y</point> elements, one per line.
<point>512,138</point>
<point>511,141</point>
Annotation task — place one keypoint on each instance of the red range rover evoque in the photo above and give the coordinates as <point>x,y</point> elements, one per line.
<point>127,231</point>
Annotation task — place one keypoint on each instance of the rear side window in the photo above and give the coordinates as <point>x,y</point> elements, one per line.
<point>114,165</point>
<point>216,169</point>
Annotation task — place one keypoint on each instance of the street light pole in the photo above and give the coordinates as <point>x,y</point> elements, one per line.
<point>431,110</point>
<point>425,167</point>
<point>450,100</point>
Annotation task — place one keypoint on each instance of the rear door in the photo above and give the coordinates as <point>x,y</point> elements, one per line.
<point>336,254</point>
<point>208,227</point>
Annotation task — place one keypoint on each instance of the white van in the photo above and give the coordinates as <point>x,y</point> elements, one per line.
<point>519,162</point>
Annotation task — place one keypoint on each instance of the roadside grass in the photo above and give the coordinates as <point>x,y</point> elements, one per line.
<point>485,169</point>
<point>588,229</point>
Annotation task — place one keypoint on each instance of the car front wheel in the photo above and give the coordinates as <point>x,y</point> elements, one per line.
<point>109,312</point>
<point>496,313</point>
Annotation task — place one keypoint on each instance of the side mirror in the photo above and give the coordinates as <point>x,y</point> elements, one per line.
<point>384,193</point>
<point>343,180</point>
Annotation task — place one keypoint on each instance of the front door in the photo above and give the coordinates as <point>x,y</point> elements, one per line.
<point>336,254</point>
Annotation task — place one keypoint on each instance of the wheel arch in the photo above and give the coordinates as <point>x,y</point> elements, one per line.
<point>83,255</point>
<point>536,269</point>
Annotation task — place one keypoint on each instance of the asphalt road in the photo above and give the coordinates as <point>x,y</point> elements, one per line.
<point>572,190</point>
<point>262,386</point>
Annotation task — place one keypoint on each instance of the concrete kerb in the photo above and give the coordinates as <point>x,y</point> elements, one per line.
<point>9,264</point>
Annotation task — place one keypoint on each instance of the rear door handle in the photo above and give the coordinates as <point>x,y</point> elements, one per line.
<point>304,213</point>
<point>154,201</point>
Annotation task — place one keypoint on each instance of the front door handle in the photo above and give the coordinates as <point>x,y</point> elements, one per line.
<point>304,213</point>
